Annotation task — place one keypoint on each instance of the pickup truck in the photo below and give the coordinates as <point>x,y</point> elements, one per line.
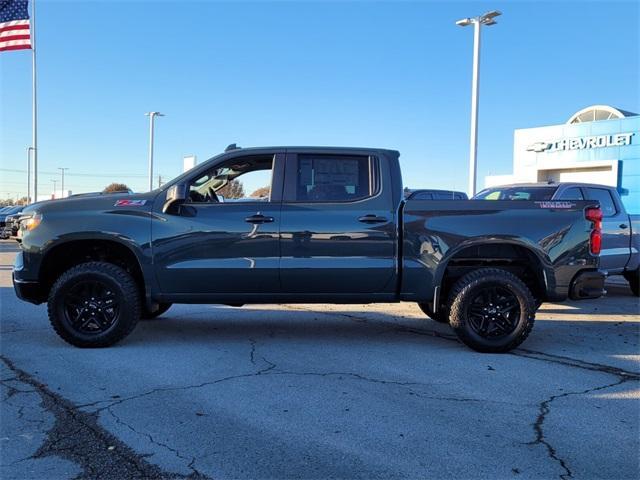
<point>333,228</point>
<point>620,253</point>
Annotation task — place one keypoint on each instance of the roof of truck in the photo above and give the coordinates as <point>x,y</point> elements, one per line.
<point>306,148</point>
<point>547,184</point>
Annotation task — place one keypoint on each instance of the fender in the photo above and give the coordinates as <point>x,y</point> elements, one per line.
<point>547,273</point>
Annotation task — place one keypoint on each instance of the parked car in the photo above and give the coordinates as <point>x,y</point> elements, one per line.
<point>430,194</point>
<point>335,229</point>
<point>620,253</point>
<point>6,215</point>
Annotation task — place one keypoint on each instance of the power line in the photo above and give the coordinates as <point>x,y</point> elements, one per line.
<point>101,175</point>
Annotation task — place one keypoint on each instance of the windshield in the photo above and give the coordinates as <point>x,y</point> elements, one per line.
<point>516,193</point>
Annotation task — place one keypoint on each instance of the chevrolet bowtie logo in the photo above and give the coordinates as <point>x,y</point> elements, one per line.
<point>538,147</point>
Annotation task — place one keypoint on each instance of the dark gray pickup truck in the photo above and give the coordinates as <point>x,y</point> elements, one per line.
<point>329,225</point>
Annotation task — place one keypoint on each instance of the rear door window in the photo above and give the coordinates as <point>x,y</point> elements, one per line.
<point>573,193</point>
<point>334,178</point>
<point>517,193</point>
<point>603,196</point>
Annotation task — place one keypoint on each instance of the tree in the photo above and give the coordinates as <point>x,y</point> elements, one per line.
<point>262,192</point>
<point>233,189</point>
<point>115,187</point>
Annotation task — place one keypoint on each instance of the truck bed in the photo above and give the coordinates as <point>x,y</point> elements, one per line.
<point>442,234</point>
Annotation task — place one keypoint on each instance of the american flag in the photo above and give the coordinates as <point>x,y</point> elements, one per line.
<point>14,25</point>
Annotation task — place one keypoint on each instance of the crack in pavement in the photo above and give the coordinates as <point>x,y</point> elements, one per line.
<point>76,436</point>
<point>545,408</point>
<point>191,465</point>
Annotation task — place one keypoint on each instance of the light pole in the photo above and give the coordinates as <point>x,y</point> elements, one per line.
<point>55,182</point>
<point>152,116</point>
<point>488,20</point>
<point>29,149</point>
<point>62,169</point>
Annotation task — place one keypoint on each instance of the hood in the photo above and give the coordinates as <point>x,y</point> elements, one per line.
<point>96,201</point>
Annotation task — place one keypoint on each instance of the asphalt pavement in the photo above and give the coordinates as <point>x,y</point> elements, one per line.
<point>320,391</point>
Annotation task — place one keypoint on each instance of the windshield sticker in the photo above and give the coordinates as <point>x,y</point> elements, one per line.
<point>556,204</point>
<point>130,203</point>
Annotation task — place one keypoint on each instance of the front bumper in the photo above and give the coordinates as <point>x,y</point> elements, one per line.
<point>26,289</point>
<point>588,284</point>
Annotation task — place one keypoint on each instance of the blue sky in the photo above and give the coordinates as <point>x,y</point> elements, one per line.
<point>384,74</point>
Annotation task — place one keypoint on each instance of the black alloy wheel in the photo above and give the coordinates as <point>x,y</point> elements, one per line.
<point>90,307</point>
<point>493,312</point>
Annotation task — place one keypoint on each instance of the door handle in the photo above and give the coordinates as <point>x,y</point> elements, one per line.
<point>623,225</point>
<point>372,219</point>
<point>258,218</point>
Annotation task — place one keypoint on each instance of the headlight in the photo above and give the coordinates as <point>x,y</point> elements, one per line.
<point>31,223</point>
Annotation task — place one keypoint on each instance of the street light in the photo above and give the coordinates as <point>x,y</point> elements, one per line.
<point>62,169</point>
<point>488,20</point>
<point>152,116</point>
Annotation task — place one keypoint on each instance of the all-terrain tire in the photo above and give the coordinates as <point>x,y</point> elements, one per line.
<point>120,286</point>
<point>442,316</point>
<point>147,315</point>
<point>634,281</point>
<point>467,289</point>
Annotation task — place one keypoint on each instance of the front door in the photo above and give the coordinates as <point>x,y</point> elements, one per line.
<point>225,238</point>
<point>338,233</point>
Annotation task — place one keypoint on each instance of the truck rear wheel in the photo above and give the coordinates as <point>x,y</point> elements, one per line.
<point>492,310</point>
<point>94,304</point>
<point>441,316</point>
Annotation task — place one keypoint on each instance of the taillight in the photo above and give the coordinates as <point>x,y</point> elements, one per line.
<point>594,215</point>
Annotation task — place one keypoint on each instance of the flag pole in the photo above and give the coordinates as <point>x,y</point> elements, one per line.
<point>35,103</point>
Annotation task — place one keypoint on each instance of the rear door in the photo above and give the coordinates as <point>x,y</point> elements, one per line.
<point>615,230</point>
<point>338,229</point>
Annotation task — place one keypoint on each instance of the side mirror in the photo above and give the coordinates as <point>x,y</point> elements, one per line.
<point>176,194</point>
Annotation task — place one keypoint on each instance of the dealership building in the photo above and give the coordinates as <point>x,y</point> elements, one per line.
<point>599,144</point>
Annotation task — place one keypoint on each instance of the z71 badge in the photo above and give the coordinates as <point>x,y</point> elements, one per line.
<point>130,203</point>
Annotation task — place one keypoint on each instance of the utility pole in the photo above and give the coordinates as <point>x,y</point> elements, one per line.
<point>29,150</point>
<point>159,181</point>
<point>62,169</point>
<point>152,116</point>
<point>488,20</point>
<point>55,182</point>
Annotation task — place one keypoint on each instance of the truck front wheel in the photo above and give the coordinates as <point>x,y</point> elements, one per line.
<point>94,304</point>
<point>492,310</point>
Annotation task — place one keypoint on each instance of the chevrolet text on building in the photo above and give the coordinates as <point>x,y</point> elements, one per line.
<point>580,143</point>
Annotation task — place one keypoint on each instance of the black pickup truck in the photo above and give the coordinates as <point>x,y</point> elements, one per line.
<point>330,226</point>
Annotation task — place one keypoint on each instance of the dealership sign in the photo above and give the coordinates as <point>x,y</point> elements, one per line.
<point>583,143</point>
